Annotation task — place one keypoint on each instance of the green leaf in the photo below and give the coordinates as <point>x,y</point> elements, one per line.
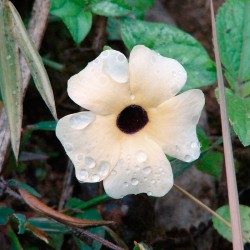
<point>15,243</point>
<point>224,230</point>
<point>174,43</point>
<point>211,163</point>
<point>48,126</point>
<point>239,115</point>
<point>34,61</point>
<point>73,15</point>
<point>47,225</point>
<point>21,222</point>
<point>110,8</point>
<point>5,212</point>
<point>16,184</point>
<point>91,214</point>
<point>233,28</point>
<point>10,77</point>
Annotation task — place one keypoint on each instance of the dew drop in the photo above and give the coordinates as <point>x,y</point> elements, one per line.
<point>68,147</point>
<point>8,57</point>
<point>125,184</point>
<point>147,170</point>
<point>174,74</point>
<point>134,181</point>
<point>13,92</point>
<point>90,162</point>
<point>105,53</point>
<point>113,172</point>
<point>141,156</point>
<point>187,158</point>
<point>104,167</point>
<point>194,145</point>
<point>149,193</point>
<point>121,58</point>
<point>79,157</point>
<point>137,168</point>
<point>153,181</point>
<point>83,174</point>
<point>127,170</point>
<point>95,177</point>
<point>145,178</point>
<point>161,169</point>
<point>177,148</point>
<point>132,97</point>
<point>82,120</point>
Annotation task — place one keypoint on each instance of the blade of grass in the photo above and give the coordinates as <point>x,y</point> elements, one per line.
<point>34,61</point>
<point>229,160</point>
<point>10,77</point>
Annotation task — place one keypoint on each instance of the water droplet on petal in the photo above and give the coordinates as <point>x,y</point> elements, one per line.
<point>153,181</point>
<point>134,181</point>
<point>105,53</point>
<point>195,145</point>
<point>147,170</point>
<point>79,157</point>
<point>113,172</point>
<point>177,148</point>
<point>8,57</point>
<point>104,168</point>
<point>121,58</point>
<point>80,121</point>
<point>127,170</point>
<point>137,168</point>
<point>149,193</point>
<point>90,162</point>
<point>68,147</point>
<point>132,97</point>
<point>141,156</point>
<point>13,92</point>
<point>187,158</point>
<point>125,184</point>
<point>83,174</point>
<point>95,177</point>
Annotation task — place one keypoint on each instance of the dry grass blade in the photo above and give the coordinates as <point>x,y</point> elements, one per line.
<point>229,161</point>
<point>43,209</point>
<point>10,77</point>
<point>34,61</point>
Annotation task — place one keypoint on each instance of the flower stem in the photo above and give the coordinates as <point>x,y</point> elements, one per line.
<point>229,161</point>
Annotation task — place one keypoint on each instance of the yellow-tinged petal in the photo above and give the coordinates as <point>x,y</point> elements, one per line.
<point>102,86</point>
<point>154,78</point>
<point>173,125</point>
<point>92,143</point>
<point>142,168</point>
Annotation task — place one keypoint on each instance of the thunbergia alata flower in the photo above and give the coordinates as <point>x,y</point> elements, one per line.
<point>135,118</point>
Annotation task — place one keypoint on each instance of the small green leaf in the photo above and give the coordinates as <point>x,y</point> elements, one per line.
<point>16,184</point>
<point>34,61</point>
<point>10,77</point>
<point>48,126</point>
<point>21,222</point>
<point>224,230</point>
<point>5,212</point>
<point>73,15</point>
<point>15,243</point>
<point>233,28</point>
<point>174,43</point>
<point>239,115</point>
<point>211,163</point>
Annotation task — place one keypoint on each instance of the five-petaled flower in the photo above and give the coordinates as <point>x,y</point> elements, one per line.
<point>135,118</point>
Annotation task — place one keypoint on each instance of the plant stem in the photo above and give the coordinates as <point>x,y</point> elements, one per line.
<point>229,161</point>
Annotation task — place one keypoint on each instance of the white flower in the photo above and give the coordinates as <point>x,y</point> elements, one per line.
<point>134,120</point>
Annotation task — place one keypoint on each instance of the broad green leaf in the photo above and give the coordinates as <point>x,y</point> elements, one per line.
<point>21,222</point>
<point>173,43</point>
<point>34,61</point>
<point>110,8</point>
<point>233,28</point>
<point>5,212</point>
<point>224,230</point>
<point>238,110</point>
<point>10,77</point>
<point>73,15</point>
<point>16,184</point>
<point>211,163</point>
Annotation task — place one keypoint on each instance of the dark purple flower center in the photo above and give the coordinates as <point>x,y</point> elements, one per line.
<point>132,119</point>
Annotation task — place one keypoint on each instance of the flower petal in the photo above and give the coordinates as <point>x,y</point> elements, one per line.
<point>142,168</point>
<point>154,78</point>
<point>91,142</point>
<point>173,125</point>
<point>102,86</point>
